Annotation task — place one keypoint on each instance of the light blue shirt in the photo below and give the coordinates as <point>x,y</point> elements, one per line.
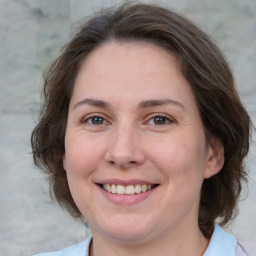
<point>221,244</point>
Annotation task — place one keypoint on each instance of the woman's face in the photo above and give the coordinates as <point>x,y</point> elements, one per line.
<point>133,125</point>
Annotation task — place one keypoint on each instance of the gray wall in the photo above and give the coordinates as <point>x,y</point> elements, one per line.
<point>31,34</point>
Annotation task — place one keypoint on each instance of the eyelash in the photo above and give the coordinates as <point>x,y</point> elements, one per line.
<point>86,120</point>
<point>163,116</point>
<point>166,118</point>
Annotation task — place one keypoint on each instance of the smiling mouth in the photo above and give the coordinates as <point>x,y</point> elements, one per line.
<point>127,190</point>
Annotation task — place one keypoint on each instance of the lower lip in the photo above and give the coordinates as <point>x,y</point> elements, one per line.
<point>126,199</point>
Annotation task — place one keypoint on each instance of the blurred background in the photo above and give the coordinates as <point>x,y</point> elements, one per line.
<point>31,35</point>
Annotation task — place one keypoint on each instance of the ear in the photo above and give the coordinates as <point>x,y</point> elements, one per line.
<point>215,158</point>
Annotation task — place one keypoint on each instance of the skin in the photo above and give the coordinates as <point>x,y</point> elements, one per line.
<point>130,142</point>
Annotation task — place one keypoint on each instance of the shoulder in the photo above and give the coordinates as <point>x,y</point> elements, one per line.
<point>223,244</point>
<point>80,249</point>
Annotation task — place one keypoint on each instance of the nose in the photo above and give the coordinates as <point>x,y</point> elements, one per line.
<point>124,150</point>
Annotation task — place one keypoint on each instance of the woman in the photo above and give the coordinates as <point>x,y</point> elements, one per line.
<point>143,135</point>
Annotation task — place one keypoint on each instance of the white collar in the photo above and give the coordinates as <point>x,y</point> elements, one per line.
<point>221,243</point>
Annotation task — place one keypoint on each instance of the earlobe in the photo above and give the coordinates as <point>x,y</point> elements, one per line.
<point>215,159</point>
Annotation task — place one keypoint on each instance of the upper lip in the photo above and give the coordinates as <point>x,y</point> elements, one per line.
<point>125,182</point>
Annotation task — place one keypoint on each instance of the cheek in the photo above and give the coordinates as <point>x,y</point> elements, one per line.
<point>82,155</point>
<point>180,157</point>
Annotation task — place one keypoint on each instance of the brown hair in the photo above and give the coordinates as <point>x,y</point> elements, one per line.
<point>201,63</point>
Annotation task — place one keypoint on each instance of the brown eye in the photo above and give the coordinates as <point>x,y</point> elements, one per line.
<point>95,120</point>
<point>159,120</point>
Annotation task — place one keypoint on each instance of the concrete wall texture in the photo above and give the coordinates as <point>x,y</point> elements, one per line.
<point>31,34</point>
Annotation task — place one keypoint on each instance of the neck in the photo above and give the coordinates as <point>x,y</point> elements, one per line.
<point>186,242</point>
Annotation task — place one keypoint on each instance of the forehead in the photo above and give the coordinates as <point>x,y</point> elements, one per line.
<point>130,70</point>
<point>128,53</point>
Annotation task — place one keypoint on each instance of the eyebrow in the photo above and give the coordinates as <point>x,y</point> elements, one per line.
<point>93,102</point>
<point>160,102</point>
<point>143,104</point>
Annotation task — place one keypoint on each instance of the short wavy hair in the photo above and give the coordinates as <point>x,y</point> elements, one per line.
<point>201,63</point>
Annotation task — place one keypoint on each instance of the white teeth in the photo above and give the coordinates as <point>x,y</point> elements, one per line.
<point>144,188</point>
<point>113,189</point>
<point>108,188</point>
<point>137,189</point>
<point>120,189</point>
<point>127,190</point>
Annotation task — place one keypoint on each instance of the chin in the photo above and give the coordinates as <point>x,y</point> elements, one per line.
<point>131,237</point>
<point>127,232</point>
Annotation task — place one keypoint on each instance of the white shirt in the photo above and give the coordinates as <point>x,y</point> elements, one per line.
<point>221,244</point>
